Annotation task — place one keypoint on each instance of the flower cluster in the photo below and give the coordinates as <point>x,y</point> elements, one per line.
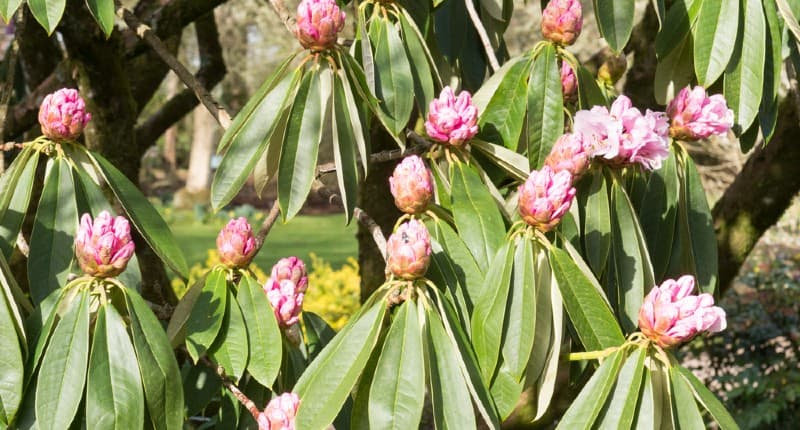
<point>623,135</point>
<point>279,413</point>
<point>236,244</point>
<point>562,21</point>
<point>411,185</point>
<point>286,289</point>
<point>63,115</point>
<point>452,119</point>
<point>103,246</point>
<point>671,314</point>
<point>409,250</point>
<point>570,154</point>
<point>318,23</point>
<point>545,197</point>
<point>694,115</point>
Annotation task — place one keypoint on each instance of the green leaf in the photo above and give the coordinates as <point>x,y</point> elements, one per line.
<point>318,333</point>
<point>595,214</point>
<point>744,76</point>
<point>676,26</point>
<point>452,406</point>
<point>502,120</point>
<point>262,331</point>
<point>515,164</point>
<point>326,383</point>
<point>144,217</point>
<point>103,13</point>
<point>398,386</point>
<point>658,213</point>
<point>250,133</point>
<point>615,20</point>
<point>176,329</point>
<point>521,321</point>
<point>53,233</point>
<point>344,151</point>
<point>12,363</point>
<point>47,12</point>
<point>478,220</point>
<point>585,408</point>
<point>687,413</point>
<point>709,401</point>
<point>301,146</point>
<point>7,9</point>
<point>714,39</point>
<point>645,418</point>
<point>674,71</point>
<point>545,106</point>
<point>488,317</point>
<point>394,84</point>
<point>773,61</point>
<point>16,186</point>
<point>701,230</point>
<point>161,379</point>
<point>354,114</point>
<point>62,375</point>
<point>589,93</point>
<point>423,68</point>
<point>590,313</point>
<point>114,397</point>
<point>506,390</point>
<point>230,348</point>
<point>207,314</point>
<point>620,410</point>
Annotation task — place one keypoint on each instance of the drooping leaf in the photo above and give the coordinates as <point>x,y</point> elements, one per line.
<point>545,106</point>
<point>207,314</point>
<point>502,120</point>
<point>773,61</point>
<point>744,77</point>
<point>714,39</point>
<point>394,84</point>
<point>7,9</point>
<point>12,369</point>
<point>677,24</point>
<point>586,407</point>
<point>176,329</point>
<point>674,71</point>
<point>344,150</point>
<point>709,401</point>
<point>263,332</point>
<point>658,212</point>
<point>620,410</point>
<point>103,13</point>
<point>47,12</point>
<point>318,333</point>
<point>521,322</point>
<point>16,186</point>
<point>686,410</point>
<point>423,68</point>
<point>515,164</point>
<point>615,20</point>
<point>595,214</point>
<point>701,229</point>
<point>589,93</point>
<point>231,346</point>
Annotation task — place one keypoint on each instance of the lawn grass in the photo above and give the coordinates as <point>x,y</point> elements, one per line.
<point>324,235</point>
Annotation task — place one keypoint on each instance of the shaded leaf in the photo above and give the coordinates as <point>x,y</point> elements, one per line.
<point>545,106</point>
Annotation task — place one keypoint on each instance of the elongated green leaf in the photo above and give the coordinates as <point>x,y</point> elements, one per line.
<point>230,348</point>
<point>10,178</point>
<point>344,151</point>
<point>145,218</point>
<point>687,413</point>
<point>207,314</point>
<point>773,61</point>
<point>645,418</point>
<point>301,146</point>
<point>318,333</point>
<point>354,111</point>
<point>595,214</point>
<point>714,39</point>
<point>744,76</point>
<point>621,408</point>
<point>701,230</point>
<point>61,378</point>
<point>545,106</point>
<point>488,317</point>
<point>39,328</point>
<point>483,96</point>
<point>615,20</point>
<point>7,8</point>
<point>47,12</point>
<point>247,137</point>
<point>658,212</point>
<point>478,220</point>
<point>161,379</point>
<point>674,71</point>
<point>176,329</point>
<point>709,401</point>
<point>19,196</point>
<point>326,383</point>
<point>53,233</point>
<point>114,397</point>
<point>502,120</point>
<point>452,407</point>
<point>465,267</point>
<point>677,24</point>
<point>398,386</point>
<point>515,164</point>
<point>585,408</point>
<point>103,13</point>
<point>519,333</point>
<point>423,68</point>
<point>506,390</point>
<point>593,319</point>
<point>263,332</point>
<point>589,93</point>
<point>394,84</point>
<point>12,369</point>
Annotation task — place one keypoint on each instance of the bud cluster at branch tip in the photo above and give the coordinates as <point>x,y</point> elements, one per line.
<point>103,246</point>
<point>411,185</point>
<point>236,244</point>
<point>452,119</point>
<point>63,115</point>
<point>409,250</point>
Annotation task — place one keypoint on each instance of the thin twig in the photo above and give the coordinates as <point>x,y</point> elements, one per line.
<point>266,226</point>
<point>228,383</point>
<point>145,33</point>
<point>487,44</point>
<point>284,15</point>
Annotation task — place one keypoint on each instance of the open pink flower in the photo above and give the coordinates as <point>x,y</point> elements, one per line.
<point>671,314</point>
<point>63,115</point>
<point>569,154</point>
<point>545,197</point>
<point>236,244</point>
<point>103,246</point>
<point>624,135</point>
<point>411,185</point>
<point>318,23</point>
<point>286,301</point>
<point>279,413</point>
<point>293,269</point>
<point>694,115</point>
<point>562,21</point>
<point>452,119</point>
<point>409,250</point>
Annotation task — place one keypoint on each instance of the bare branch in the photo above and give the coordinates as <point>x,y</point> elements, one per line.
<point>266,226</point>
<point>487,44</point>
<point>283,13</point>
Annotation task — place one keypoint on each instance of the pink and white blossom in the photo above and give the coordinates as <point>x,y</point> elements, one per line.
<point>570,154</point>
<point>280,413</point>
<point>694,115</point>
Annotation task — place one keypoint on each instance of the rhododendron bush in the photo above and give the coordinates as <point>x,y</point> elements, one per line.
<point>554,238</point>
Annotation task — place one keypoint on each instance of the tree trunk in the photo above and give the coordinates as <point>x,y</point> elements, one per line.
<point>204,140</point>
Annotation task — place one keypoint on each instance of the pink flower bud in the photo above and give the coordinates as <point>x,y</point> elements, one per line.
<point>562,21</point>
<point>452,119</point>
<point>286,300</point>
<point>696,116</point>
<point>279,413</point>
<point>63,115</point>
<point>411,185</point>
<point>236,244</point>
<point>569,154</point>
<point>293,269</point>
<point>318,23</point>
<point>624,136</point>
<point>103,247</point>
<point>409,250</point>
<point>545,197</point>
<point>569,84</point>
<point>671,314</point>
